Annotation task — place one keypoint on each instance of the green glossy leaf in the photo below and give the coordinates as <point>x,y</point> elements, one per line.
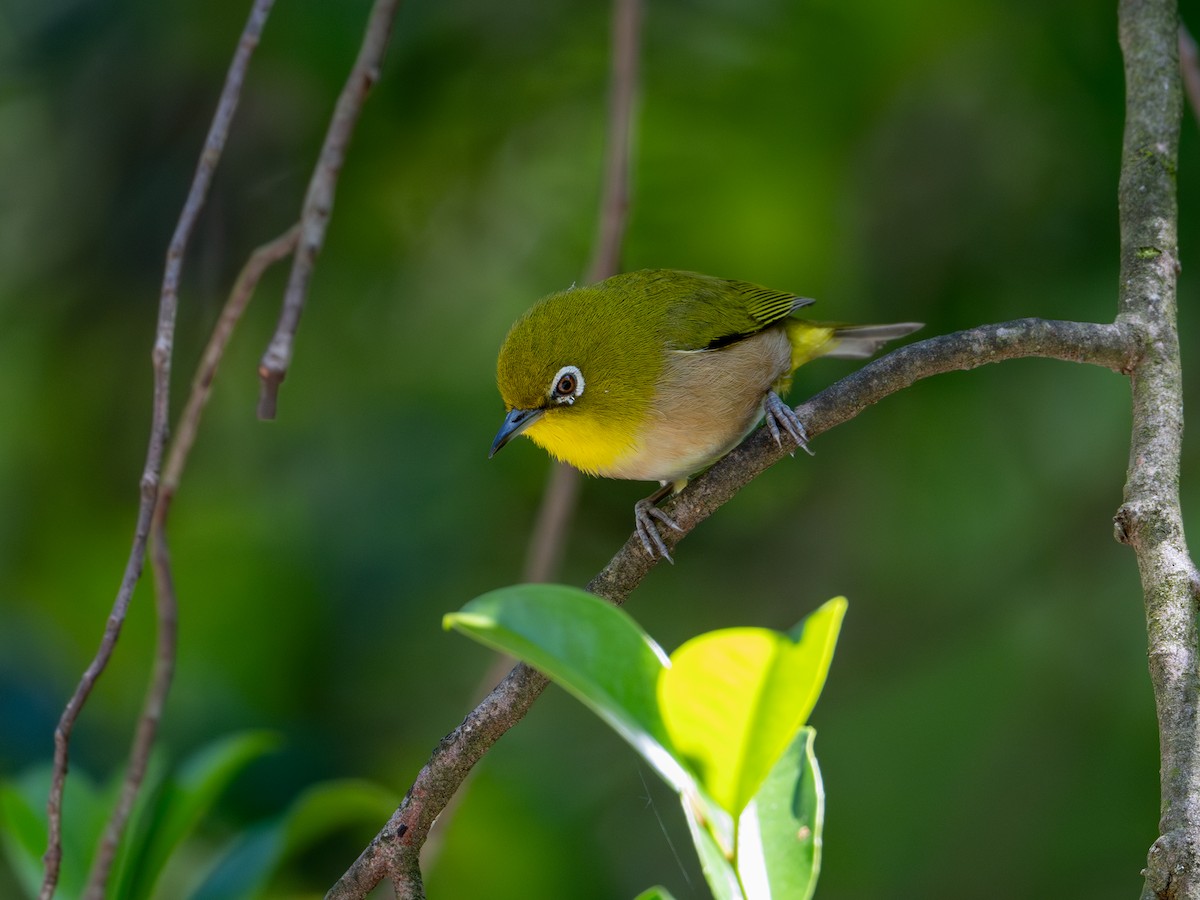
<point>591,648</point>
<point>139,832</point>
<point>779,833</point>
<point>332,805</point>
<point>246,869</point>
<point>658,892</point>
<point>733,700</point>
<point>183,802</point>
<point>25,828</point>
<point>23,832</point>
<point>716,863</point>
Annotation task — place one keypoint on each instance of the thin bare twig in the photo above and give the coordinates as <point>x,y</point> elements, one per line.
<point>165,597</point>
<point>396,847</point>
<point>562,484</point>
<point>548,540</point>
<point>166,613</point>
<point>614,202</point>
<point>239,297</point>
<point>318,201</point>
<point>161,356</point>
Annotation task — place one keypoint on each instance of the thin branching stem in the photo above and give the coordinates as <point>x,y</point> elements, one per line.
<point>318,201</point>
<point>247,281</point>
<point>161,357</point>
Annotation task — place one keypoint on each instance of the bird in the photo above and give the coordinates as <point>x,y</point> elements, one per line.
<point>656,374</point>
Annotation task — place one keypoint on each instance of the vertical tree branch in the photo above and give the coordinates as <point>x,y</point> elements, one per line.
<point>161,357</point>
<point>552,526</point>
<point>548,540</point>
<point>318,201</point>
<point>562,485</point>
<point>1150,518</point>
<point>614,200</point>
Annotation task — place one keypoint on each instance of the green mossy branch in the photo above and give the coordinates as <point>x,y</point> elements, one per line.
<point>1150,519</point>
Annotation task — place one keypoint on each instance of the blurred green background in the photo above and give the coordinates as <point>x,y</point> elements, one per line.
<point>988,727</point>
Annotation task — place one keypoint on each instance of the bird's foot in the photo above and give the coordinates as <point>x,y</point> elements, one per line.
<point>779,416</point>
<point>645,514</point>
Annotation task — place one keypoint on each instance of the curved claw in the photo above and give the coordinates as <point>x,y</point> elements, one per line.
<point>777,414</point>
<point>644,514</point>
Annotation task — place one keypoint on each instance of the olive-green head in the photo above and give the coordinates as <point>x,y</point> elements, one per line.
<point>577,373</point>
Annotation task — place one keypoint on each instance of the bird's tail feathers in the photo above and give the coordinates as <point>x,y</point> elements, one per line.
<point>861,341</point>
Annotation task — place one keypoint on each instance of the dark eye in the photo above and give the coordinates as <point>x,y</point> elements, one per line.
<point>566,385</point>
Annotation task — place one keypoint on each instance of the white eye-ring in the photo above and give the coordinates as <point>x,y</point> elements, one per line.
<point>567,386</point>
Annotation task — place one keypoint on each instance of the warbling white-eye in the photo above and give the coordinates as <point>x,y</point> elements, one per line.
<point>655,375</point>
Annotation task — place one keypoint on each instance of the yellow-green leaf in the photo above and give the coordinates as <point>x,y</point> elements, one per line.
<point>780,831</point>
<point>733,700</point>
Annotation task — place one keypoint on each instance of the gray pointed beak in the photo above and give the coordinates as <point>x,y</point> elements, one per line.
<point>515,422</point>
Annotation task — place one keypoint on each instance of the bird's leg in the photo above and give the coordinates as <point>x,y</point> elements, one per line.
<point>779,415</point>
<point>644,513</point>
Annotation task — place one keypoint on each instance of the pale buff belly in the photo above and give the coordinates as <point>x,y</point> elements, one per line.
<point>706,402</point>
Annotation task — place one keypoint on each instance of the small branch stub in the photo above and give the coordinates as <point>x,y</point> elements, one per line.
<point>268,391</point>
<point>1121,530</point>
<point>318,200</point>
